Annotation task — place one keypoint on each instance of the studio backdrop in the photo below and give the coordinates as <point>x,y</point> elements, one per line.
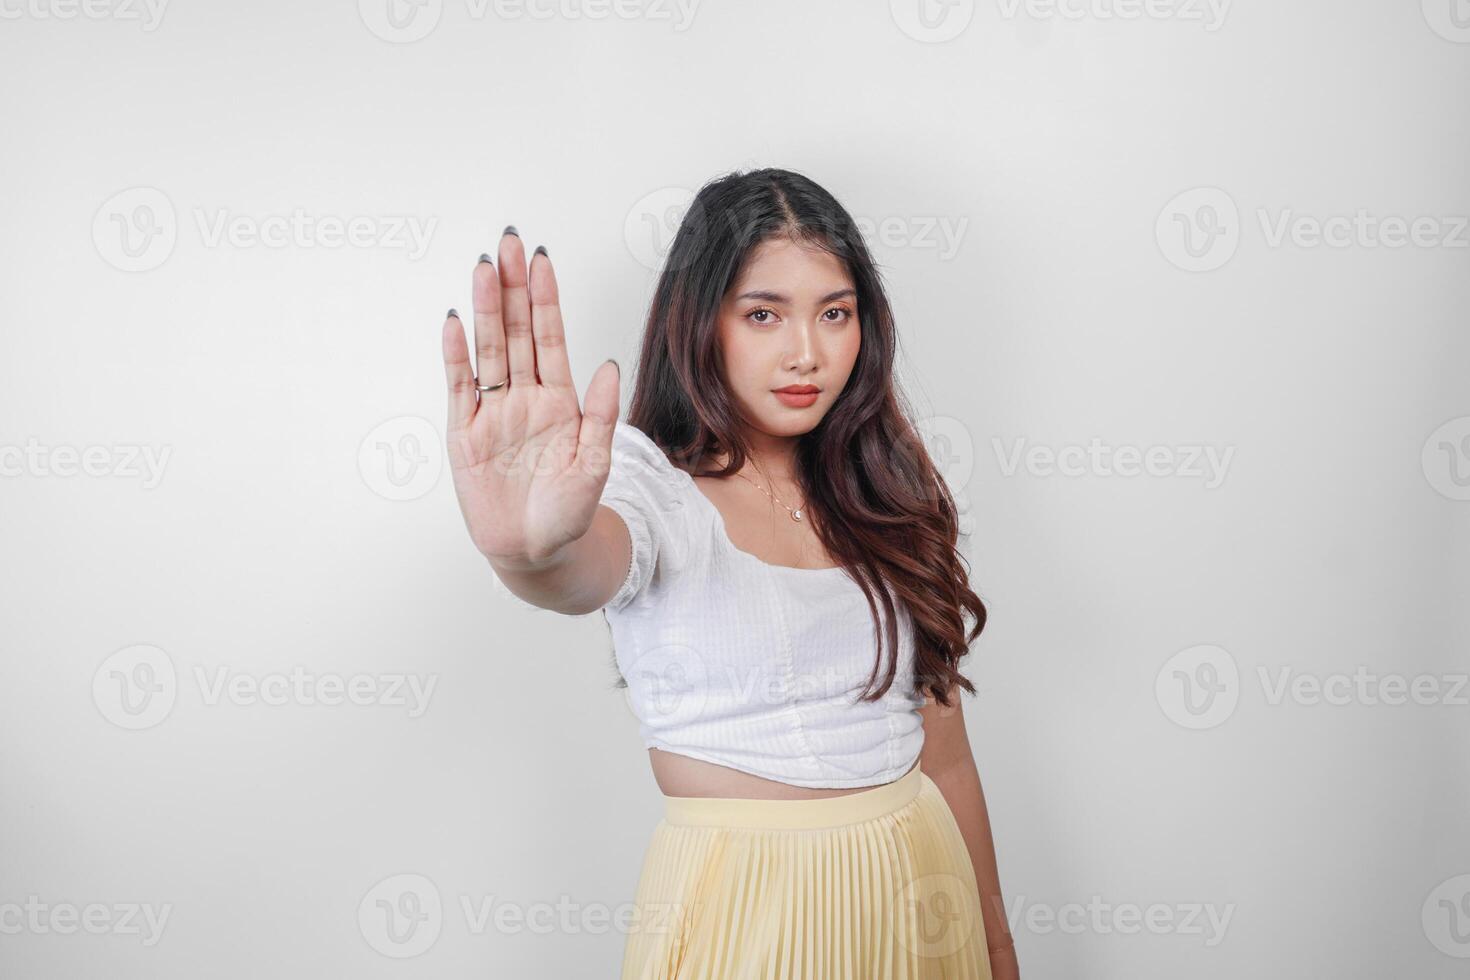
<point>1180,288</point>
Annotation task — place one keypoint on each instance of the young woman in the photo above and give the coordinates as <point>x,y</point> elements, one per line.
<point>776,556</point>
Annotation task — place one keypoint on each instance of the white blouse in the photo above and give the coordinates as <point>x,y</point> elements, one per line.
<point>739,662</point>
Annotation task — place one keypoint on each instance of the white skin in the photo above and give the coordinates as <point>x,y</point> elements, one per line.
<point>529,463</point>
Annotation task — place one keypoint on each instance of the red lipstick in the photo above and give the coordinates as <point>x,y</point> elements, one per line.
<point>797,396</point>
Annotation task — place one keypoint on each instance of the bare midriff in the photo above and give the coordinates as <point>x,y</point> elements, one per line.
<point>680,775</point>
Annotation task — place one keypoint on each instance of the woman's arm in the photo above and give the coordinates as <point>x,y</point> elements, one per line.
<point>529,463</point>
<point>947,760</point>
<point>580,578</point>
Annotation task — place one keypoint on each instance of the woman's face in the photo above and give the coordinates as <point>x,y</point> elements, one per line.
<point>789,333</point>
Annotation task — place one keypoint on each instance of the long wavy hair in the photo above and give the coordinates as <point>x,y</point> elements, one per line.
<point>877,503</point>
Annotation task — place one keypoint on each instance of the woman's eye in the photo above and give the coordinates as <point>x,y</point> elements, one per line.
<point>764,316</point>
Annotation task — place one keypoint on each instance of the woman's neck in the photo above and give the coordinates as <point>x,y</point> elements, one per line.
<point>772,456</point>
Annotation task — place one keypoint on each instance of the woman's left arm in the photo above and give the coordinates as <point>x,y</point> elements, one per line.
<point>947,760</point>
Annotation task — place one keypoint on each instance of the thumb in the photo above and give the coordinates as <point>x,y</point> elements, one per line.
<point>599,416</point>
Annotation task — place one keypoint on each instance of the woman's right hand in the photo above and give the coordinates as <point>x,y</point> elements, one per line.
<point>529,464</point>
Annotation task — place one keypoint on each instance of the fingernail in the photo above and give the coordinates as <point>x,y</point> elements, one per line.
<point>511,230</point>
<point>614,363</point>
<point>451,313</point>
<point>485,257</point>
<point>540,250</point>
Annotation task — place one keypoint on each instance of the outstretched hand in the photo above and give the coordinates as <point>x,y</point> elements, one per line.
<point>529,463</point>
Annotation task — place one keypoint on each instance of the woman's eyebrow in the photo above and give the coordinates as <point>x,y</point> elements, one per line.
<point>772,297</point>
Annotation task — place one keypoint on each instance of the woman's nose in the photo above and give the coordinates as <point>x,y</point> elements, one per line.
<point>803,356</point>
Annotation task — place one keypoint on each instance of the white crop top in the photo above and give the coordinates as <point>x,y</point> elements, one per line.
<point>739,662</point>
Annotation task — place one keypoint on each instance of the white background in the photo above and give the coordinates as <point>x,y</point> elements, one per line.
<point>1065,149</point>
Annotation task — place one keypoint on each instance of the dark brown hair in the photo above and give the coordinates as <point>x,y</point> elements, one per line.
<point>879,506</point>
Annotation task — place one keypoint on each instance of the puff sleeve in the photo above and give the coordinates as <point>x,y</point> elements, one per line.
<point>649,493</point>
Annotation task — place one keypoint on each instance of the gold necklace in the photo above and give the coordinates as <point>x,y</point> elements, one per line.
<point>796,514</point>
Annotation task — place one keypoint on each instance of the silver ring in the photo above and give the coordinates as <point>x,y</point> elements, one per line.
<point>480,387</point>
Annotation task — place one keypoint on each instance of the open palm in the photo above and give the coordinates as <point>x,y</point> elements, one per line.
<point>529,464</point>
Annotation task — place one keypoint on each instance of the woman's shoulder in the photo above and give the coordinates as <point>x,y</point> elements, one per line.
<point>633,441</point>
<point>640,468</point>
<point>635,452</point>
<point>656,500</point>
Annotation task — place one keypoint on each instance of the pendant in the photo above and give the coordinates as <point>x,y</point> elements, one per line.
<point>796,515</point>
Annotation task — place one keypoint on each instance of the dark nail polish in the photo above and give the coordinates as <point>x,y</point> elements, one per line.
<point>511,230</point>
<point>485,257</point>
<point>540,250</point>
<point>451,313</point>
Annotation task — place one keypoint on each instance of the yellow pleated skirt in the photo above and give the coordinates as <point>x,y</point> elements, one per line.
<point>873,885</point>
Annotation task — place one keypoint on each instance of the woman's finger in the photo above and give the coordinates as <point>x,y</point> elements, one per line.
<point>457,372</point>
<point>515,311</point>
<point>489,335</point>
<point>551,342</point>
<point>599,417</point>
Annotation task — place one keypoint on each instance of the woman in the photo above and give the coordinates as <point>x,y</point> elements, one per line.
<point>776,557</point>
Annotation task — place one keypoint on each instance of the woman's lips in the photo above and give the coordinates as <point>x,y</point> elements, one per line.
<point>798,396</point>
